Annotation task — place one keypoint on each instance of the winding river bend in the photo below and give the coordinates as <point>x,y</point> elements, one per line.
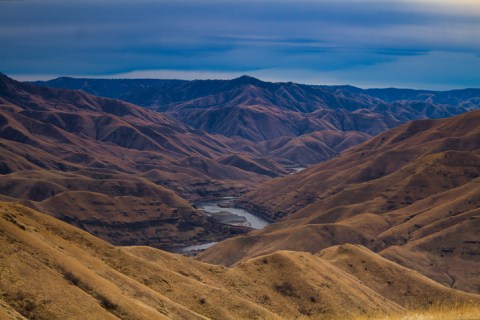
<point>224,211</point>
<point>237,216</point>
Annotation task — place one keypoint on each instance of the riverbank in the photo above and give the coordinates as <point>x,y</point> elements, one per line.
<point>223,210</point>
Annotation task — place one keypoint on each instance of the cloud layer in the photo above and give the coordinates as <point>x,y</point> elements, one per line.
<point>368,43</point>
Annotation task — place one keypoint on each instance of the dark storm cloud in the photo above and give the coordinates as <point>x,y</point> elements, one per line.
<point>111,37</point>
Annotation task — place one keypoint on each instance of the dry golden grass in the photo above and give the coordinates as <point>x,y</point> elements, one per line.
<point>455,312</point>
<point>411,194</point>
<point>52,270</point>
<point>404,286</point>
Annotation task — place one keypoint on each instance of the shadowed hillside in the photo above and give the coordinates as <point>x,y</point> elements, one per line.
<point>258,110</point>
<point>252,110</point>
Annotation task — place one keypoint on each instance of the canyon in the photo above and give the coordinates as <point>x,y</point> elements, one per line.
<point>296,201</point>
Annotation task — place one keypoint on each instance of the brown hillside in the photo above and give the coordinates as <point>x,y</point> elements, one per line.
<point>404,286</point>
<point>412,192</point>
<point>46,264</point>
<point>311,148</point>
<point>113,168</point>
<point>262,113</point>
<point>259,110</point>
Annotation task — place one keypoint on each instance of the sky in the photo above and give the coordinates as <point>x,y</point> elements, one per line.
<point>429,44</point>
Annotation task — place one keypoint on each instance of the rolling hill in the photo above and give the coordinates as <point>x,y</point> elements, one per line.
<point>410,194</point>
<point>46,264</point>
<point>393,221</point>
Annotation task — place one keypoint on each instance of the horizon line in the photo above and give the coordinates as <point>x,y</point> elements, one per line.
<point>122,76</point>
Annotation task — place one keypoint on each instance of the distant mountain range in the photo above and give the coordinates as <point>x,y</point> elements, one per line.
<point>324,120</point>
<point>257,111</point>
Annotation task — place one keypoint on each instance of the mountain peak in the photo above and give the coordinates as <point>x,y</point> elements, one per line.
<point>245,79</point>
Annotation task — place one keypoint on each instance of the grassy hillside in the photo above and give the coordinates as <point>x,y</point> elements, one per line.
<point>51,270</point>
<point>411,194</point>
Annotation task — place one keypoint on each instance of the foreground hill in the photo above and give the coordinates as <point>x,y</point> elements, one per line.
<point>266,112</point>
<point>411,194</point>
<point>115,169</point>
<point>52,270</point>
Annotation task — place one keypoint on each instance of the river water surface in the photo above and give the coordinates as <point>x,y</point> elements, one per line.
<point>237,216</point>
<point>212,208</point>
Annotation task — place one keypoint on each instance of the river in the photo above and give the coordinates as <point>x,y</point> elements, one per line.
<point>215,210</point>
<point>224,211</point>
